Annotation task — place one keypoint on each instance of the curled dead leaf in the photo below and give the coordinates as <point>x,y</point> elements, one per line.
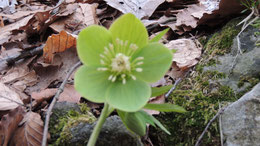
<point>57,43</point>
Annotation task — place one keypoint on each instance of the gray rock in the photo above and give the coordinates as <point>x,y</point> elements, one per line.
<point>113,133</point>
<point>241,120</point>
<point>246,65</point>
<point>59,111</point>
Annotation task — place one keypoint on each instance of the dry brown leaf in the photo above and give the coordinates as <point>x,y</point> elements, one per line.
<point>206,12</point>
<point>139,8</point>
<point>187,54</point>
<point>9,99</point>
<point>57,43</point>
<point>43,95</point>
<point>6,31</point>
<point>84,15</point>
<point>9,124</point>
<point>31,133</point>
<point>187,16</point>
<point>69,94</point>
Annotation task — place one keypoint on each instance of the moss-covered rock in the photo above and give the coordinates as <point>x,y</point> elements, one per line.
<point>64,116</point>
<point>201,94</point>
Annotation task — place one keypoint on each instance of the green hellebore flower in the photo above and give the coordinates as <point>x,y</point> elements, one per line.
<point>119,63</point>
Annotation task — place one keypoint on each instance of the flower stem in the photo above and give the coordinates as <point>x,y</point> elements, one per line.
<point>104,114</point>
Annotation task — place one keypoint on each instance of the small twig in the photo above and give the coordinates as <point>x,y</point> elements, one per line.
<point>233,63</point>
<point>173,88</point>
<point>221,111</point>
<point>245,25</point>
<point>23,55</point>
<point>220,127</point>
<point>55,98</point>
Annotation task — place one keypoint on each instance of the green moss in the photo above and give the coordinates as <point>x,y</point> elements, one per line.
<point>246,79</point>
<point>201,99</point>
<point>65,134</point>
<point>221,42</point>
<point>84,108</point>
<point>256,24</point>
<point>59,127</point>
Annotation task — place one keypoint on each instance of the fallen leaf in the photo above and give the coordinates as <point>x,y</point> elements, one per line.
<point>6,31</point>
<point>187,54</point>
<point>139,8</point>
<point>57,43</point>
<point>69,94</point>
<point>9,99</point>
<point>84,15</point>
<point>206,12</point>
<point>30,133</point>
<point>43,95</point>
<point>57,71</point>
<point>9,123</point>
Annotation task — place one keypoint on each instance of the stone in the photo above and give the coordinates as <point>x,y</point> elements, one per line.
<point>59,111</point>
<point>241,120</point>
<point>113,133</point>
<point>247,64</point>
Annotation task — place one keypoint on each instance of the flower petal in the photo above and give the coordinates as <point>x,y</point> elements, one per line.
<point>130,28</point>
<point>92,84</point>
<point>157,61</point>
<point>91,43</point>
<point>129,97</point>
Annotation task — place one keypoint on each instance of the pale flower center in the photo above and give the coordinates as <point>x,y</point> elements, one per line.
<point>118,61</point>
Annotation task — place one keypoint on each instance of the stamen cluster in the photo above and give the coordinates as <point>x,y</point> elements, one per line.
<point>119,62</point>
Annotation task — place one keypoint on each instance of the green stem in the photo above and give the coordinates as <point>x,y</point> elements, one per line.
<point>104,114</point>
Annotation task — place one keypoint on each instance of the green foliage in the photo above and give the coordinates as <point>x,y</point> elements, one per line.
<point>160,35</point>
<point>156,91</point>
<point>118,65</point>
<point>137,121</point>
<point>118,61</point>
<point>166,107</point>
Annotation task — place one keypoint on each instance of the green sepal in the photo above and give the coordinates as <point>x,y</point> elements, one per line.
<point>129,97</point>
<point>131,29</point>
<point>133,122</point>
<point>166,107</point>
<point>157,91</point>
<point>159,36</point>
<point>92,84</point>
<point>91,43</point>
<point>157,60</point>
<point>136,121</point>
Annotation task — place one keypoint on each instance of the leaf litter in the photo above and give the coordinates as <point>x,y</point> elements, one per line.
<point>33,81</point>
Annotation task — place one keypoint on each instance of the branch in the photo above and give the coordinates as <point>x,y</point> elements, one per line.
<point>221,111</point>
<point>56,97</point>
<point>173,88</point>
<point>23,55</point>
